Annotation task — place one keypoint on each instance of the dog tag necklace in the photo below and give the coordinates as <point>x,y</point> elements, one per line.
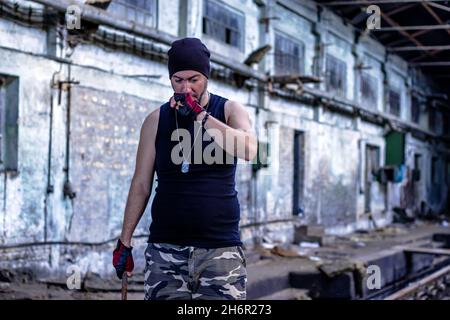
<point>185,163</point>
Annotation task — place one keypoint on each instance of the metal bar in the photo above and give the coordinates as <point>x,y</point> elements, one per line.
<point>124,285</point>
<point>408,291</point>
<point>439,6</point>
<point>410,28</point>
<point>358,2</point>
<point>403,40</point>
<point>400,9</point>
<point>419,48</point>
<point>432,64</point>
<point>438,19</point>
<point>435,251</point>
<point>435,16</point>
<point>406,34</point>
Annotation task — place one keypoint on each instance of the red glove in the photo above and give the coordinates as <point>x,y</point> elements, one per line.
<point>187,107</point>
<point>122,259</point>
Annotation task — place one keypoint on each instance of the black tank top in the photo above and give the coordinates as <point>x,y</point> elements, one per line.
<point>199,208</point>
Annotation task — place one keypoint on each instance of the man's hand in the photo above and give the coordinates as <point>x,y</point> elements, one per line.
<point>123,259</point>
<point>186,106</point>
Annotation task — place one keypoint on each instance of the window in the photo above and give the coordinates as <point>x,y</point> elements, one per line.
<point>9,107</point>
<point>432,113</point>
<point>335,75</point>
<point>142,12</point>
<point>415,109</point>
<point>369,90</point>
<point>394,102</point>
<point>288,56</point>
<point>447,177</point>
<point>223,24</point>
<point>446,122</point>
<point>434,170</point>
<point>417,161</point>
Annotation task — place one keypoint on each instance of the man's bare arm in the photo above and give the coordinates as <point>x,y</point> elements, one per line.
<point>141,184</point>
<point>238,129</point>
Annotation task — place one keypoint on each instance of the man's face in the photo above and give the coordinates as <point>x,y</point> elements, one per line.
<point>191,82</point>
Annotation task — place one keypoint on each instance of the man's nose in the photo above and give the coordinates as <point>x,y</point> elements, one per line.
<point>186,88</point>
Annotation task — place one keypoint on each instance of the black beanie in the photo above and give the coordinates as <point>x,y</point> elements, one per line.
<point>189,54</point>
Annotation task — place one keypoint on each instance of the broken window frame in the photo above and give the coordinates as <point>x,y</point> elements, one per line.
<point>394,109</point>
<point>217,23</point>
<point>286,62</point>
<point>336,75</point>
<point>368,85</point>
<point>144,12</point>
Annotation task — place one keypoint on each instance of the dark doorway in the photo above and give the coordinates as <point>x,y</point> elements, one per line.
<point>372,167</point>
<point>299,173</point>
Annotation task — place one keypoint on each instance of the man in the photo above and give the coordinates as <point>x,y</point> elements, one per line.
<point>194,249</point>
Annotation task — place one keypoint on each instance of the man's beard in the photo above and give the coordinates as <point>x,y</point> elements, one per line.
<point>202,94</point>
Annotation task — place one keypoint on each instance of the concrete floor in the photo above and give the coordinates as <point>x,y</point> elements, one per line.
<point>275,271</point>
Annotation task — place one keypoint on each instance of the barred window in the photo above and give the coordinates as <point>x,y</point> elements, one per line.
<point>415,109</point>
<point>394,102</point>
<point>224,24</point>
<point>142,12</point>
<point>369,89</point>
<point>336,75</point>
<point>288,55</point>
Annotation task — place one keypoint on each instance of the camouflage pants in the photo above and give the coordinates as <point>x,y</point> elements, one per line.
<point>180,272</point>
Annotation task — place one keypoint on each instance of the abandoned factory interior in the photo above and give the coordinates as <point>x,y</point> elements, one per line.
<point>347,196</point>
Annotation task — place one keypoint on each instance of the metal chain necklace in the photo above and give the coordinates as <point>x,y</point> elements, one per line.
<point>185,163</point>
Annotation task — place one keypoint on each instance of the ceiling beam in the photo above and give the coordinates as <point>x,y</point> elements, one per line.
<point>406,34</point>
<point>419,48</point>
<point>440,6</point>
<point>403,40</point>
<point>410,28</point>
<point>432,64</point>
<point>358,2</point>
<point>400,9</point>
<point>438,19</point>
<point>435,16</point>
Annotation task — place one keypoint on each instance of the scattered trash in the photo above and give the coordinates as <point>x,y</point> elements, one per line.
<point>285,252</point>
<point>305,244</point>
<point>314,258</point>
<point>268,245</point>
<point>401,216</point>
<point>359,244</point>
